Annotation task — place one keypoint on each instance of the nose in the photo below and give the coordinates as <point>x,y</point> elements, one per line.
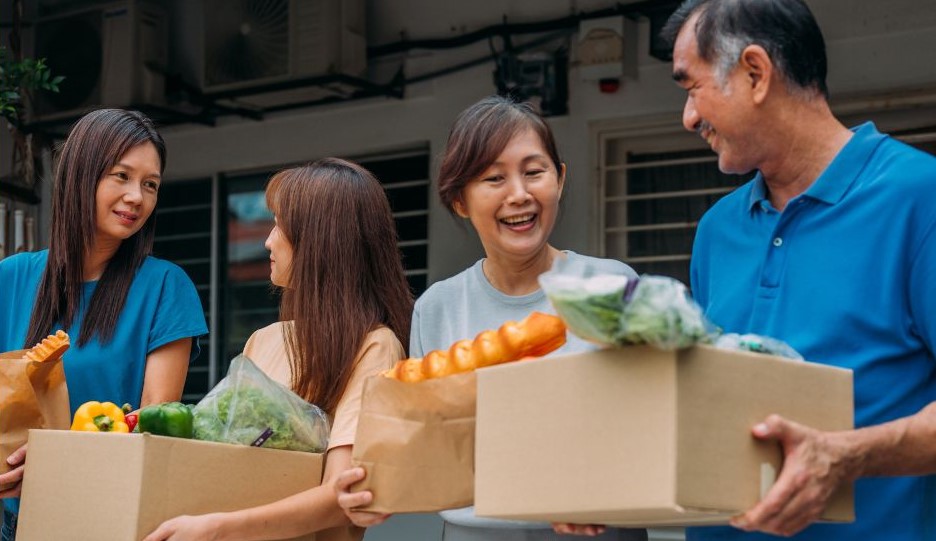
<point>134,193</point>
<point>690,117</point>
<point>269,240</point>
<point>517,190</point>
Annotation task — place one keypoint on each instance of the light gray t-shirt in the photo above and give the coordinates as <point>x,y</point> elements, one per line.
<point>464,305</point>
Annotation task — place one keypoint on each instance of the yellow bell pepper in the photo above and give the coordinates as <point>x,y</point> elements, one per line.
<point>96,416</point>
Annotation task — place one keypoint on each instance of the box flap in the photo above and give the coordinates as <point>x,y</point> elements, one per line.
<point>549,405</point>
<point>721,395</point>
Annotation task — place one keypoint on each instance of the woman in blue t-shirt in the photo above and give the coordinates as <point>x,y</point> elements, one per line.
<point>132,318</point>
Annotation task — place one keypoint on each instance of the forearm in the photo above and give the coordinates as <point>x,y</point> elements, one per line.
<point>309,511</point>
<point>905,446</point>
<point>166,368</point>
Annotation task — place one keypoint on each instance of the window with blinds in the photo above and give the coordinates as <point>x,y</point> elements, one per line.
<point>184,236</point>
<point>652,202</point>
<point>215,230</point>
<point>654,190</point>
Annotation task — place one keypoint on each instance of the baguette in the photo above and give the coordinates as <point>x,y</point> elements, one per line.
<point>534,336</point>
<point>51,347</point>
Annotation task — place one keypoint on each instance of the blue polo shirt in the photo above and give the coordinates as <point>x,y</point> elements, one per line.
<point>846,274</point>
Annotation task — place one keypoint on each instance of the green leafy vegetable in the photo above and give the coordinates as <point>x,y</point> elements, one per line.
<point>247,403</point>
<point>614,310</point>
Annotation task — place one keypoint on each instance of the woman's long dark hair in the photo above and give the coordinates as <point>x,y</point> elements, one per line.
<point>94,146</point>
<point>346,277</point>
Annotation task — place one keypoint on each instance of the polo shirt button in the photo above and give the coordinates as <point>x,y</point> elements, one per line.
<point>778,242</point>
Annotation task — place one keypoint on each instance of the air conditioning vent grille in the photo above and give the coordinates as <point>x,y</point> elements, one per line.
<point>72,48</point>
<point>246,40</point>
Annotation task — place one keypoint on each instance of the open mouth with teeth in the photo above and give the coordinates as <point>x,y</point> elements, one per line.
<point>520,221</point>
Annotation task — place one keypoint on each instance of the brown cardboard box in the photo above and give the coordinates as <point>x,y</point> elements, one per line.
<point>120,487</point>
<point>643,437</point>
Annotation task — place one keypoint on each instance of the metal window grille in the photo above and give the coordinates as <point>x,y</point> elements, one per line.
<point>214,228</point>
<point>654,189</point>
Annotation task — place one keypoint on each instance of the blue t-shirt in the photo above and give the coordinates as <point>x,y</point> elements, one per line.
<point>162,306</point>
<point>845,275</point>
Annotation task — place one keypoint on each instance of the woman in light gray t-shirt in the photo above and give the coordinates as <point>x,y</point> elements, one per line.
<point>502,172</point>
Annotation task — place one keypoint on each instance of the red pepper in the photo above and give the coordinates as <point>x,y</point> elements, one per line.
<point>131,420</point>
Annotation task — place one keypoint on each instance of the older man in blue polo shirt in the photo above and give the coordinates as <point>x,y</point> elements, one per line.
<point>832,248</point>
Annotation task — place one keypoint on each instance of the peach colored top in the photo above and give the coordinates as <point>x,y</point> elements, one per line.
<point>381,349</point>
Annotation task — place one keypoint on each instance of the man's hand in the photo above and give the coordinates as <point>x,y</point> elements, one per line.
<point>590,530</point>
<point>349,501</point>
<point>11,482</point>
<point>815,464</point>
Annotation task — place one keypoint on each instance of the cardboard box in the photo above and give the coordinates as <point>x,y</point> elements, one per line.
<point>120,487</point>
<point>642,437</point>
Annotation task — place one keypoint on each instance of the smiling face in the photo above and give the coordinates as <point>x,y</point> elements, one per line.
<point>514,203</point>
<point>281,256</point>
<point>719,111</point>
<point>126,194</point>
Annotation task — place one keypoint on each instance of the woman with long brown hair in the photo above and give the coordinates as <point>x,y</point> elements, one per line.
<point>132,318</point>
<point>344,314</point>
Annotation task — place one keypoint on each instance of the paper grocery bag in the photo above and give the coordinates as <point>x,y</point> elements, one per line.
<point>33,394</point>
<point>416,441</point>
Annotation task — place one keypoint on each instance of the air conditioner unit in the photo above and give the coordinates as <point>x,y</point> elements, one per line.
<point>251,43</point>
<point>112,55</point>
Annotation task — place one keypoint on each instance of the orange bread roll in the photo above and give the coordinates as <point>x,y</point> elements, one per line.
<point>460,356</point>
<point>534,336</point>
<point>411,371</point>
<point>488,349</point>
<point>436,364</point>
<point>51,347</point>
<point>545,333</point>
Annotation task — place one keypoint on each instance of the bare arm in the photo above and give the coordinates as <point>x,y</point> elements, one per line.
<point>903,447</point>
<point>816,463</point>
<point>309,511</point>
<point>166,368</point>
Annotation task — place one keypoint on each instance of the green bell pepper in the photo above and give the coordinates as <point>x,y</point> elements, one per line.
<point>170,419</point>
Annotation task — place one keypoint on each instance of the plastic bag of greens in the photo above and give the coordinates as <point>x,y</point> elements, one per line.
<point>611,309</point>
<point>249,408</point>
<point>659,311</point>
<point>757,344</point>
<point>590,304</point>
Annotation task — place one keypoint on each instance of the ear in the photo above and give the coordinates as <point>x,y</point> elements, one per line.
<point>562,176</point>
<point>757,67</point>
<point>460,208</point>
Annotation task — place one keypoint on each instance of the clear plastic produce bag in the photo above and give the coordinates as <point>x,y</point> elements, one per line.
<point>249,408</point>
<point>757,344</point>
<point>611,309</point>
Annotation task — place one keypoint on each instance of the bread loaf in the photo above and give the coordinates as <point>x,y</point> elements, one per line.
<point>51,347</point>
<point>534,336</point>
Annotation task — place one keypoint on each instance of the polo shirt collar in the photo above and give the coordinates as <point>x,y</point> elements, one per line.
<point>838,177</point>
